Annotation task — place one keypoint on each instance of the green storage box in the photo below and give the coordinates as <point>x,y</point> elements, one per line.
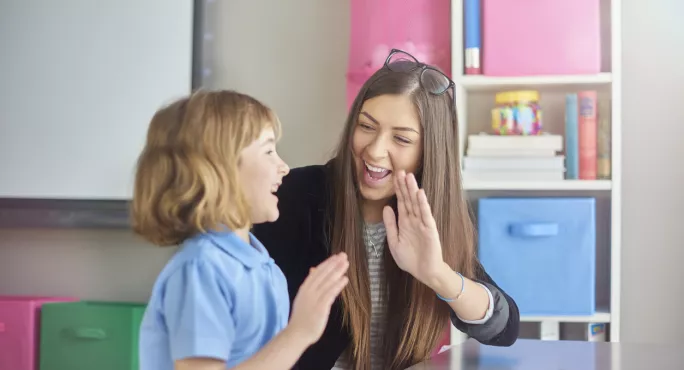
<point>89,335</point>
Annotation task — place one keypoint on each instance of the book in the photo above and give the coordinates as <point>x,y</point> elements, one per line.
<point>514,163</point>
<point>587,134</point>
<point>603,144</point>
<point>506,152</point>
<point>540,142</point>
<point>514,158</point>
<point>571,138</point>
<point>472,20</point>
<point>545,175</point>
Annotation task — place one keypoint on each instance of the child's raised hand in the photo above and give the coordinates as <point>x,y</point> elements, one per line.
<point>311,306</point>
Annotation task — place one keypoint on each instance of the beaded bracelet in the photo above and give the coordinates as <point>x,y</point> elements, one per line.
<point>459,294</point>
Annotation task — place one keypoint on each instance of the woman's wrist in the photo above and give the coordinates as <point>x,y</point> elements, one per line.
<point>446,282</point>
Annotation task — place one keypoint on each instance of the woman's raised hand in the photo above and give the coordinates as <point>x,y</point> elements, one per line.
<point>414,239</point>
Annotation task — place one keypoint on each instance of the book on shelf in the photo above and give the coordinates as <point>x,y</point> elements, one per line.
<point>603,143</point>
<point>587,133</point>
<point>587,136</point>
<point>473,36</point>
<point>571,138</point>
<point>514,158</point>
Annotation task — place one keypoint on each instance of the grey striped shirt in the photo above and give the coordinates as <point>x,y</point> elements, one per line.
<point>374,239</point>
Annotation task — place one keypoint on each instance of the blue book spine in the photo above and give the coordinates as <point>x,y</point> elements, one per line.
<point>472,19</point>
<point>571,138</point>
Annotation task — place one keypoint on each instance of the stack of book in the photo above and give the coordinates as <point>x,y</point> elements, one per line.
<point>587,136</point>
<point>514,158</point>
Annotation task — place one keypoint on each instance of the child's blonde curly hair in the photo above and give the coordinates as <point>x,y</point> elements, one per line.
<point>186,179</point>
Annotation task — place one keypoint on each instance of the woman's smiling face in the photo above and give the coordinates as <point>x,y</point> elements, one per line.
<point>388,137</point>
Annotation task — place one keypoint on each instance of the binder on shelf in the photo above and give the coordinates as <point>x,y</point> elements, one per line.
<point>473,36</point>
<point>587,130</point>
<point>571,138</point>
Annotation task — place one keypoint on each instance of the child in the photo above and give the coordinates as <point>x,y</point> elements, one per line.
<point>208,172</point>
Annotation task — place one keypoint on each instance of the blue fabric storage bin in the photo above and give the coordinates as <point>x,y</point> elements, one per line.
<point>541,251</point>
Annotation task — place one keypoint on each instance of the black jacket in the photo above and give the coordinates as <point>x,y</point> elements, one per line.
<point>297,241</point>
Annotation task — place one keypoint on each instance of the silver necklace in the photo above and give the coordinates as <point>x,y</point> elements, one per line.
<point>374,249</point>
<point>372,244</point>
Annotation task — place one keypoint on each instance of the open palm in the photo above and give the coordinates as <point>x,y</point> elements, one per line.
<point>414,239</point>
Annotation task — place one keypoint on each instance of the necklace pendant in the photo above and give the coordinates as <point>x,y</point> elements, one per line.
<point>374,249</point>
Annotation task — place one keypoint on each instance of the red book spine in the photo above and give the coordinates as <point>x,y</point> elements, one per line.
<point>588,133</point>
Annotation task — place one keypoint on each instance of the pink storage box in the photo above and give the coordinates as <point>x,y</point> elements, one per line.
<point>541,37</point>
<point>421,28</point>
<point>19,330</point>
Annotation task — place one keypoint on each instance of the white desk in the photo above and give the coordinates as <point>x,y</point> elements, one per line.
<point>558,355</point>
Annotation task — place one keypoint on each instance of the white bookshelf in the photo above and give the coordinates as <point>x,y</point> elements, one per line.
<point>598,317</point>
<point>474,100</point>
<point>539,185</point>
<point>474,82</point>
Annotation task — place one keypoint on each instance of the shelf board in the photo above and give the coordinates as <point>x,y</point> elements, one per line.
<point>479,82</point>
<point>539,185</point>
<point>598,317</point>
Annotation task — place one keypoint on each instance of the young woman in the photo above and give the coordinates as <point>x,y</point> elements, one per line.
<point>394,181</point>
<point>207,173</point>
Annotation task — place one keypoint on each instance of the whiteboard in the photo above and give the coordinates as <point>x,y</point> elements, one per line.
<point>79,82</point>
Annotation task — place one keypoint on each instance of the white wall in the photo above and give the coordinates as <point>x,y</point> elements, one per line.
<point>79,81</point>
<point>653,174</point>
<point>90,264</point>
<point>293,56</point>
<point>115,265</point>
<point>254,52</point>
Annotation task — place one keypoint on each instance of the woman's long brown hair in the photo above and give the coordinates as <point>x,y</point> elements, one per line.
<point>416,318</point>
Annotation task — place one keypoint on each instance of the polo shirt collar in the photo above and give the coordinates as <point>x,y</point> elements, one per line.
<point>249,255</point>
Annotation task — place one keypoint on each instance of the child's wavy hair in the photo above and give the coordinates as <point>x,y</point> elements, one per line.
<point>186,179</point>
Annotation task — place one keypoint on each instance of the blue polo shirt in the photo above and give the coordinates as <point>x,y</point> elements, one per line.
<point>217,297</point>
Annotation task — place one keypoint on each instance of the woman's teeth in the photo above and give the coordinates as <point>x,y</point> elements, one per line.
<point>374,169</point>
<point>376,172</point>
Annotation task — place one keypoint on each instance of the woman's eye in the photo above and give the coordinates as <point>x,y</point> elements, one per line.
<point>365,126</point>
<point>403,140</point>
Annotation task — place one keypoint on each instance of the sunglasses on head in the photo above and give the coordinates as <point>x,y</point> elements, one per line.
<point>431,79</point>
